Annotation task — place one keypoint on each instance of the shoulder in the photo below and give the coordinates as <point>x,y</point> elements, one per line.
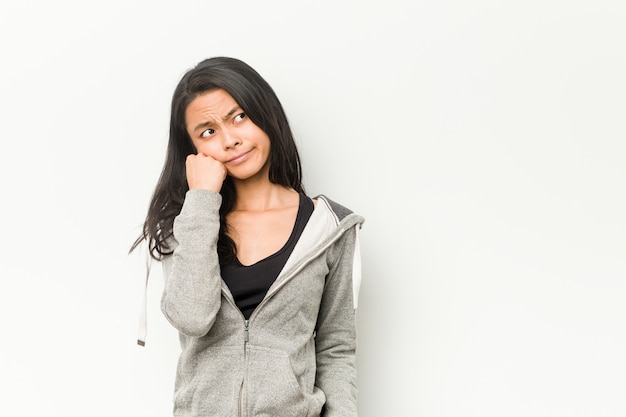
<point>340,213</point>
<point>337,209</point>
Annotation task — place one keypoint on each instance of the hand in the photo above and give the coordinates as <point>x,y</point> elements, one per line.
<point>204,173</point>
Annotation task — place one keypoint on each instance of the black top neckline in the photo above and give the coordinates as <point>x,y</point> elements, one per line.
<point>304,204</point>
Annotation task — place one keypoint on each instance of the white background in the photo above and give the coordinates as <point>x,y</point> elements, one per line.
<point>483,141</point>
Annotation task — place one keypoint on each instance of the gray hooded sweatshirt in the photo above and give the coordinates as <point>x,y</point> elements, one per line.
<point>295,356</point>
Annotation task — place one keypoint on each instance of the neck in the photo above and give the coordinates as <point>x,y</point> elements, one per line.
<point>260,195</point>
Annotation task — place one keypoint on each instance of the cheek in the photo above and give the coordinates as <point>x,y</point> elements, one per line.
<point>208,148</point>
<point>262,138</point>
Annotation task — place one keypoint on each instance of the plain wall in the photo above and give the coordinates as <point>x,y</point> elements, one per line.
<point>483,141</point>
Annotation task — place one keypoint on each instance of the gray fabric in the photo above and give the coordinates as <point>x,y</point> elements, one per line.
<point>295,361</point>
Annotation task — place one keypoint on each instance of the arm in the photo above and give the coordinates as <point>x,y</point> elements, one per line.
<point>192,293</point>
<point>336,333</point>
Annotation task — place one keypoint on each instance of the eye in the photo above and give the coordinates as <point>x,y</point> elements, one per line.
<point>240,117</point>
<point>207,133</point>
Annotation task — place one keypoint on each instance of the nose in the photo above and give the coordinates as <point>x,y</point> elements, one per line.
<point>230,139</point>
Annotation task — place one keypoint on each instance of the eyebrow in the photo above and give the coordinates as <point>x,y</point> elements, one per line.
<point>209,123</point>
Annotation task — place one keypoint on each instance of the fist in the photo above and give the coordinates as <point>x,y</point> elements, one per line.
<point>204,173</point>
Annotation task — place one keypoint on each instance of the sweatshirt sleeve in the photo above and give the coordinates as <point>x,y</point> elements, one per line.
<point>192,292</point>
<point>336,333</point>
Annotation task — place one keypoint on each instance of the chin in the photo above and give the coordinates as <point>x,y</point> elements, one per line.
<point>246,176</point>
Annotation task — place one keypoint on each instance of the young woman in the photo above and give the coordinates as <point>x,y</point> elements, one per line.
<point>261,281</point>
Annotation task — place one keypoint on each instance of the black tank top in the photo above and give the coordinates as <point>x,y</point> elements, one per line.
<point>249,284</point>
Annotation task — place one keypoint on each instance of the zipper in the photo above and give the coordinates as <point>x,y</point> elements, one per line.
<point>246,338</point>
<point>240,411</point>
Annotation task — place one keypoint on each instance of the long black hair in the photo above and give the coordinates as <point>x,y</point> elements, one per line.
<point>258,100</point>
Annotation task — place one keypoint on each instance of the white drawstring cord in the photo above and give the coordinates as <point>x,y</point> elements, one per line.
<point>143,312</point>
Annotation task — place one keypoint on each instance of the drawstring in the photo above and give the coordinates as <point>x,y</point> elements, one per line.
<point>356,269</point>
<point>143,312</point>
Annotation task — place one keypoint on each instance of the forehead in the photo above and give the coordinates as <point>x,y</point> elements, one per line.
<point>211,105</point>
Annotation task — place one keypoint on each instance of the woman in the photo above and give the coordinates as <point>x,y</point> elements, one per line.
<point>261,281</point>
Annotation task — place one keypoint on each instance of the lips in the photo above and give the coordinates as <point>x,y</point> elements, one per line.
<point>240,158</point>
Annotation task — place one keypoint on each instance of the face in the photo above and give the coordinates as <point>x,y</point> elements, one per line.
<point>219,128</point>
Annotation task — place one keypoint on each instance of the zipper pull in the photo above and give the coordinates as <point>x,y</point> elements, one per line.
<point>246,336</point>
